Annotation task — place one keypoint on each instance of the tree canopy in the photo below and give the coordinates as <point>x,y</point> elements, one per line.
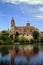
<point>35,35</point>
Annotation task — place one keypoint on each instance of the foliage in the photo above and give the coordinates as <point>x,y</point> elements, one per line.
<point>5,35</point>
<point>1,42</point>
<point>16,39</point>
<point>11,36</point>
<point>41,40</point>
<point>38,40</point>
<point>9,41</point>
<point>5,39</point>
<point>23,41</point>
<point>17,34</point>
<point>31,41</point>
<point>35,35</point>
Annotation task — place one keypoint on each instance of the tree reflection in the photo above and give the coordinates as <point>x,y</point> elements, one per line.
<point>4,50</point>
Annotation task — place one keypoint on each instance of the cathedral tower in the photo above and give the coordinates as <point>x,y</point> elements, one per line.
<point>12,25</point>
<point>27,28</point>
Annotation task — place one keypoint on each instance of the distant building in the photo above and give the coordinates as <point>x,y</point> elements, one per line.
<point>27,30</point>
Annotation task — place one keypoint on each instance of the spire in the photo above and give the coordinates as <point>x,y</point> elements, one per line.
<point>12,22</point>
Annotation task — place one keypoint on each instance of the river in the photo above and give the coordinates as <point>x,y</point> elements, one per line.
<point>37,59</point>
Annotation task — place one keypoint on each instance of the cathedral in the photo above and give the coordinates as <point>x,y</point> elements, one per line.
<point>27,30</point>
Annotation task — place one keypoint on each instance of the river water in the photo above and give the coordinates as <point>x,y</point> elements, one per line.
<point>34,60</point>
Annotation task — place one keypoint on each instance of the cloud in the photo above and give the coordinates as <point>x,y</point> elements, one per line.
<point>39,16</point>
<point>41,9</point>
<point>33,2</point>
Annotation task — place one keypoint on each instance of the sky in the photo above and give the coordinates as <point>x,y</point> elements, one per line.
<point>22,11</point>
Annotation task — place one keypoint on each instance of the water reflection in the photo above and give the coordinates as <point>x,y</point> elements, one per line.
<point>37,59</point>
<point>21,58</point>
<point>5,59</point>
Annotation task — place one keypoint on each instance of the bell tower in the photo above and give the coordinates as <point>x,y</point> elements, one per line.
<point>12,25</point>
<point>27,28</point>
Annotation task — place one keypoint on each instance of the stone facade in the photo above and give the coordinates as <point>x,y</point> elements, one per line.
<point>27,30</point>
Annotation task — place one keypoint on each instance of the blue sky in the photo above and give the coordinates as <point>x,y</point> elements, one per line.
<point>23,11</point>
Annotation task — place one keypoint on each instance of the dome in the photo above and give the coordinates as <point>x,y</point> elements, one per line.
<point>27,24</point>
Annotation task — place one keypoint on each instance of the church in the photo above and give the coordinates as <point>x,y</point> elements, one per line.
<point>22,30</point>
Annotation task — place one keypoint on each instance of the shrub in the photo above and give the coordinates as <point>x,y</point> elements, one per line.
<point>31,41</point>
<point>41,39</point>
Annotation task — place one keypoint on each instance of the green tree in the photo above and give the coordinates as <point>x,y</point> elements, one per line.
<point>17,34</point>
<point>5,35</point>
<point>41,40</point>
<point>11,36</point>
<point>1,42</point>
<point>5,39</point>
<point>16,39</point>
<point>35,35</point>
<point>31,41</point>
